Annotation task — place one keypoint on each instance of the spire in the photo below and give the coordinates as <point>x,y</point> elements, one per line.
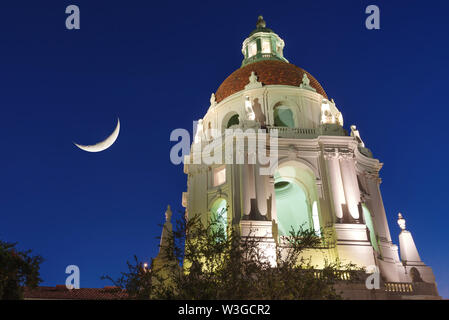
<point>166,233</point>
<point>261,22</point>
<point>409,253</point>
<point>165,263</point>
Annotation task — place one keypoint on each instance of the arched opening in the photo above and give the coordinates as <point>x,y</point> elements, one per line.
<point>234,120</point>
<point>283,117</point>
<point>370,225</point>
<point>296,196</point>
<point>219,215</point>
<point>415,275</point>
<point>291,206</point>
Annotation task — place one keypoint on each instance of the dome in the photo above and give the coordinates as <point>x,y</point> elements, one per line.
<point>268,72</point>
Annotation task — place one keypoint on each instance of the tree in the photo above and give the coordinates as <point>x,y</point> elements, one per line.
<point>18,269</point>
<point>211,261</point>
<point>137,281</point>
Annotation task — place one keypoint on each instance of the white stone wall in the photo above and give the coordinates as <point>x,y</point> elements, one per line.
<point>336,175</point>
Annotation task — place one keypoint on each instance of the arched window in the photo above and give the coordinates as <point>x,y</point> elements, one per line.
<point>234,120</point>
<point>292,207</point>
<point>219,215</point>
<point>283,117</point>
<point>415,275</point>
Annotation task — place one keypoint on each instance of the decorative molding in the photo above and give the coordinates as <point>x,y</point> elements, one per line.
<point>331,153</point>
<point>338,153</point>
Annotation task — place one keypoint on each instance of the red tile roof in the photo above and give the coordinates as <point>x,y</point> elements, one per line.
<point>268,72</point>
<point>60,292</point>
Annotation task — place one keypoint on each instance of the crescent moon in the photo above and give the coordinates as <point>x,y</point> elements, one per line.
<point>102,145</point>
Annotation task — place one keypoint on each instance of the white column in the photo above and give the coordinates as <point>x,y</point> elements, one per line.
<point>337,191</point>
<point>351,186</point>
<point>272,197</point>
<point>246,198</point>
<point>261,181</point>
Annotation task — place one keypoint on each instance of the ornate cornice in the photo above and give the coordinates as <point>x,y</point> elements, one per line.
<point>338,153</point>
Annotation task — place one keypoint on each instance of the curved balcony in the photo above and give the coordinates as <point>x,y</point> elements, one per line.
<point>308,133</point>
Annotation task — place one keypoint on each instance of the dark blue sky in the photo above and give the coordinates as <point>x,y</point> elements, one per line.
<point>155,66</point>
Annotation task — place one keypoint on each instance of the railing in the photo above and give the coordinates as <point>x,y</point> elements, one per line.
<point>260,56</point>
<point>399,287</point>
<point>348,280</point>
<point>342,275</point>
<point>285,132</point>
<point>409,288</point>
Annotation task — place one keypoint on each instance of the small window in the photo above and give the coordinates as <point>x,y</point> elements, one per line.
<point>234,120</point>
<point>266,47</point>
<point>219,176</point>
<point>252,49</point>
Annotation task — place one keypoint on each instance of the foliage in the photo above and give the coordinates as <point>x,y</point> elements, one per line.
<point>209,261</point>
<point>18,269</point>
<point>137,281</point>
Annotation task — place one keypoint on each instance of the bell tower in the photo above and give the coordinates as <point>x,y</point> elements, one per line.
<point>262,44</point>
<point>312,173</point>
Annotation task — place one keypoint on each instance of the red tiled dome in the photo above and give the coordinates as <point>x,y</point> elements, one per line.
<point>268,72</point>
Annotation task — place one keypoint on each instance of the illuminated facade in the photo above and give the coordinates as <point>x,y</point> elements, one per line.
<point>325,178</point>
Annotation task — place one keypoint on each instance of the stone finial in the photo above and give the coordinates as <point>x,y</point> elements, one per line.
<point>261,22</point>
<point>401,221</point>
<point>252,78</point>
<point>213,101</point>
<point>253,82</point>
<point>305,80</point>
<point>305,83</point>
